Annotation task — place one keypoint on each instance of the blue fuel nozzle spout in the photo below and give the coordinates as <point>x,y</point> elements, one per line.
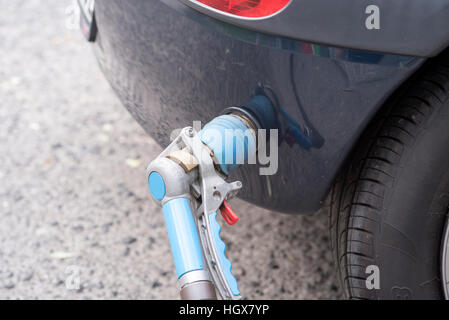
<point>188,180</point>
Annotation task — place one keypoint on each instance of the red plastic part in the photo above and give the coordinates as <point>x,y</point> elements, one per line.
<point>247,8</point>
<point>228,214</point>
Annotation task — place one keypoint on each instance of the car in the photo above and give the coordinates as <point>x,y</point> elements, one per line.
<point>359,91</point>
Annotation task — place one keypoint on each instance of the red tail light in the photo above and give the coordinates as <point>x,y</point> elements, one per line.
<point>247,8</point>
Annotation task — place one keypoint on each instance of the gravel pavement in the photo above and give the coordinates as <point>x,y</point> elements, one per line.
<point>76,219</point>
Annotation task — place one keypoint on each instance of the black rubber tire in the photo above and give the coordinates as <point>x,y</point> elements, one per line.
<point>389,205</point>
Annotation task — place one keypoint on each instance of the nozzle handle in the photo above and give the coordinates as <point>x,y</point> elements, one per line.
<point>183,235</point>
<point>224,261</point>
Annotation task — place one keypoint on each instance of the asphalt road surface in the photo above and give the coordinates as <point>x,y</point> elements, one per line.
<point>76,218</point>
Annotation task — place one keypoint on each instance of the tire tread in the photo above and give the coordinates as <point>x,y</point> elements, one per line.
<point>357,196</point>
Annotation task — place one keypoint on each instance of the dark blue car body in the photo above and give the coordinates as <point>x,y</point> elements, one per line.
<point>171,64</point>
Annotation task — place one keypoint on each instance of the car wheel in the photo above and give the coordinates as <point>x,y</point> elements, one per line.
<point>389,206</point>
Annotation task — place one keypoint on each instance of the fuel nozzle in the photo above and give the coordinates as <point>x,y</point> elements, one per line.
<point>188,180</point>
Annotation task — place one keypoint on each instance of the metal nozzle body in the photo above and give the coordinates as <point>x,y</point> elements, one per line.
<point>196,285</point>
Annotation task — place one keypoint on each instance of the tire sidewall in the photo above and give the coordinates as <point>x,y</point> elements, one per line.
<point>408,241</point>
